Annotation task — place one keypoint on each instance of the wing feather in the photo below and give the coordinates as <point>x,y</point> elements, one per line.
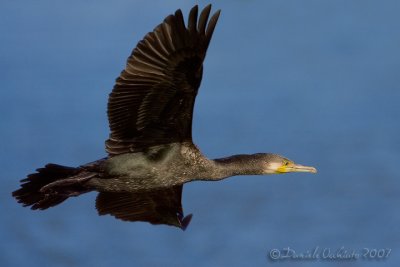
<point>153,98</point>
<point>158,206</point>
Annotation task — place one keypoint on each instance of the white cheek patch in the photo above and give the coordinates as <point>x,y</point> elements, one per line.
<point>273,167</point>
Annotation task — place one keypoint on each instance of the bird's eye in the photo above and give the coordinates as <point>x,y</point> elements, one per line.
<point>286,163</point>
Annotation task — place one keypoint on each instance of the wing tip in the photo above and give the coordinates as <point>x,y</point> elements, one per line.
<point>212,23</point>
<point>185,221</point>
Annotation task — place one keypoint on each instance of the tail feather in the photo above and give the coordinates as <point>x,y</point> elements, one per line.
<point>50,186</point>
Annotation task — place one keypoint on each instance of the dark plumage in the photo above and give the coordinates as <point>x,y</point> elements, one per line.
<point>153,98</point>
<point>150,149</point>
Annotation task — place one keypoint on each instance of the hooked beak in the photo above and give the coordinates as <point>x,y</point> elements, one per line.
<point>296,168</point>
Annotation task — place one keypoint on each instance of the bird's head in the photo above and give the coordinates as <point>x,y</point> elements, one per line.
<point>276,164</point>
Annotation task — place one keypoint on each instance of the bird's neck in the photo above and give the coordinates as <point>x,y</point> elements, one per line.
<point>236,165</point>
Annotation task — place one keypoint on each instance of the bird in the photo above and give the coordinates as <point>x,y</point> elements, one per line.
<point>151,154</point>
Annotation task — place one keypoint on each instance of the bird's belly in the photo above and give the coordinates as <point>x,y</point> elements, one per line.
<point>125,184</point>
<point>132,172</point>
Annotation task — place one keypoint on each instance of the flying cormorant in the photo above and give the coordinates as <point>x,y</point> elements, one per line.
<point>150,149</point>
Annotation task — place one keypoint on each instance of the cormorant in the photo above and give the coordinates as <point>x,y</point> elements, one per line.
<point>150,149</point>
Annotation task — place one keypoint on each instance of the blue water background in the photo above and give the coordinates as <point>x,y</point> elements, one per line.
<point>316,81</point>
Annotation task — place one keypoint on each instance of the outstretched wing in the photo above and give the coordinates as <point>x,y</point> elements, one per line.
<point>153,98</point>
<point>159,206</point>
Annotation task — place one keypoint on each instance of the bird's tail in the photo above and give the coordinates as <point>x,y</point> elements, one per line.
<point>51,185</point>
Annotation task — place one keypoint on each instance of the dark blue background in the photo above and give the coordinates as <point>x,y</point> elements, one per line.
<point>316,81</point>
